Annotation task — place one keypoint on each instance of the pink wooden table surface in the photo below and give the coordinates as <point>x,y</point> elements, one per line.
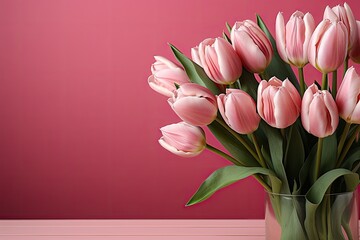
<point>132,229</point>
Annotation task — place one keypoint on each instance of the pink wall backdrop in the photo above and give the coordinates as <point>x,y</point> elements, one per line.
<point>79,124</point>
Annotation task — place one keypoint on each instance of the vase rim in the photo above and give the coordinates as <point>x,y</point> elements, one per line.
<point>303,195</point>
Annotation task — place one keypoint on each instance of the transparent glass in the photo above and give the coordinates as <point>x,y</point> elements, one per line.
<point>292,217</point>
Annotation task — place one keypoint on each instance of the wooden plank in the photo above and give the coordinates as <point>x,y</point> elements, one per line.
<point>132,229</point>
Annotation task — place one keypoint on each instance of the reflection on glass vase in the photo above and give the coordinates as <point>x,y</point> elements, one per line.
<point>294,217</point>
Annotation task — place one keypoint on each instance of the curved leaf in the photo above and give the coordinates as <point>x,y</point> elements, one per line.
<point>227,175</point>
<point>317,191</point>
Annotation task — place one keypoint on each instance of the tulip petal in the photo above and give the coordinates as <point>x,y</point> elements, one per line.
<point>280,37</point>
<point>228,61</point>
<point>334,38</point>
<point>285,112</point>
<point>348,93</point>
<point>318,117</point>
<point>194,110</point>
<point>332,111</point>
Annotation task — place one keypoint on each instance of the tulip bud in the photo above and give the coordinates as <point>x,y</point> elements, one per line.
<point>355,50</point>
<point>164,76</point>
<point>238,110</point>
<point>278,102</point>
<point>345,15</point>
<point>347,98</point>
<point>328,46</point>
<point>219,60</point>
<point>183,139</point>
<point>194,104</point>
<point>252,45</point>
<point>319,114</point>
<point>293,39</point>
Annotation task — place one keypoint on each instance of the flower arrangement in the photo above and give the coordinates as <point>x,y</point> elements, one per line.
<point>293,138</point>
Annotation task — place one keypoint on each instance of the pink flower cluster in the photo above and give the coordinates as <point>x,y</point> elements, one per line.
<point>299,41</point>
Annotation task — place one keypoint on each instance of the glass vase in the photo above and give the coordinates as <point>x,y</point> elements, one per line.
<point>294,217</point>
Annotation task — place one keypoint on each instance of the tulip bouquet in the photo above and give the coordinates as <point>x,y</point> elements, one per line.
<point>296,139</point>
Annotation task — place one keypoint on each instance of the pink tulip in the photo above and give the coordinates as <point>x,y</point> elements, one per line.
<point>328,46</point>
<point>355,50</point>
<point>345,15</point>
<point>239,111</point>
<point>347,98</point>
<point>164,76</point>
<point>278,102</point>
<point>252,45</point>
<point>183,139</point>
<point>319,114</point>
<point>293,39</point>
<point>194,104</point>
<point>219,60</point>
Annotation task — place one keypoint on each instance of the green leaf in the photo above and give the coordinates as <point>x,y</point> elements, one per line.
<point>277,66</point>
<point>352,157</point>
<point>276,152</point>
<point>317,191</point>
<point>291,226</point>
<point>338,209</point>
<point>328,156</point>
<point>228,27</point>
<point>236,149</point>
<point>226,37</point>
<point>295,156</point>
<point>224,177</point>
<point>305,170</point>
<point>249,83</point>
<point>195,72</point>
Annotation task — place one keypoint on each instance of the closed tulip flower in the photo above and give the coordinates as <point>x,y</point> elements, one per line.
<point>183,139</point>
<point>278,102</point>
<point>347,98</point>
<point>345,15</point>
<point>355,51</point>
<point>238,110</point>
<point>219,60</point>
<point>252,45</point>
<point>293,39</point>
<point>164,76</point>
<point>328,46</point>
<point>319,114</point>
<point>194,104</point>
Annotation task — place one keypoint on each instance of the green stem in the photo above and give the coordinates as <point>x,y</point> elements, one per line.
<point>224,155</point>
<point>334,84</point>
<point>324,85</point>
<point>348,146</point>
<point>318,159</point>
<point>236,162</point>
<point>263,76</point>
<point>239,138</point>
<point>287,144</point>
<point>346,65</point>
<point>301,80</point>
<point>342,139</point>
<point>233,85</point>
<point>258,150</point>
